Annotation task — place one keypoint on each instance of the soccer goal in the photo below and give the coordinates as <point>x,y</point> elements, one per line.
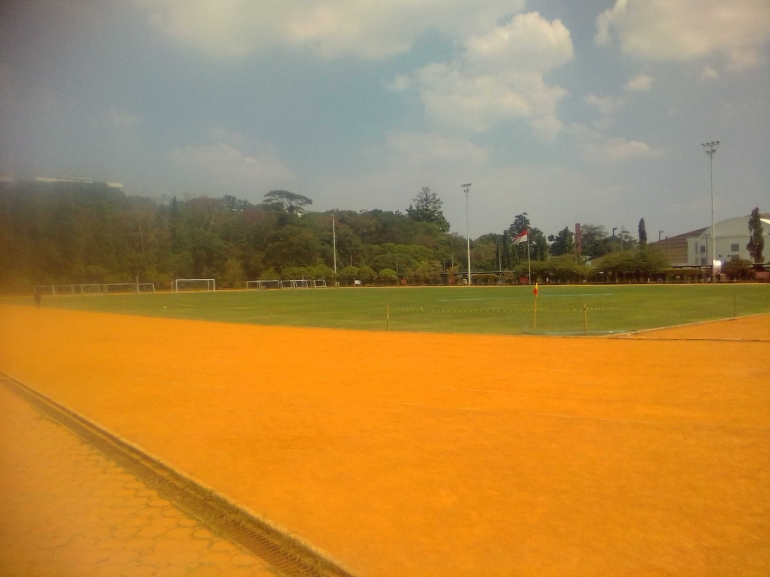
<point>263,284</point>
<point>145,287</point>
<point>302,283</point>
<point>63,289</point>
<point>198,284</point>
<point>90,289</point>
<point>119,287</point>
<point>319,283</point>
<point>46,289</point>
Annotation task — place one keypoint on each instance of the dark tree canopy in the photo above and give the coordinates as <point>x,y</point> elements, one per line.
<point>289,202</point>
<point>756,244</point>
<point>563,243</point>
<point>642,233</point>
<point>427,208</point>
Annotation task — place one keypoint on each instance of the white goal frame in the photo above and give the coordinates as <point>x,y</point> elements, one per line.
<point>145,287</point>
<point>319,283</point>
<point>262,284</point>
<point>211,284</point>
<point>118,286</point>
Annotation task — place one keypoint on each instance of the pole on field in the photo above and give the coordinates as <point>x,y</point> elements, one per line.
<point>585,320</point>
<point>334,243</point>
<point>711,148</point>
<point>534,324</point>
<point>735,306</point>
<point>529,262</point>
<point>467,189</point>
<point>387,316</point>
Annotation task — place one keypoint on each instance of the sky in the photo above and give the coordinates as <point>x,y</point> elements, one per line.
<point>591,111</point>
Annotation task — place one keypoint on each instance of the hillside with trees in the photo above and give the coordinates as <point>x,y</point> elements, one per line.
<point>89,233</point>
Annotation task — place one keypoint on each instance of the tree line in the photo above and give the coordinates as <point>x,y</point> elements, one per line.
<point>90,233</point>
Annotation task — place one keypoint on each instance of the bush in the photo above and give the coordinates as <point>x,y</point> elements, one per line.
<point>349,274</point>
<point>366,274</point>
<point>388,276</point>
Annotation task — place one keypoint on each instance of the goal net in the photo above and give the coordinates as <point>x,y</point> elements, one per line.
<point>263,284</point>
<point>90,289</point>
<point>119,287</point>
<point>145,287</point>
<point>196,284</point>
<point>319,283</point>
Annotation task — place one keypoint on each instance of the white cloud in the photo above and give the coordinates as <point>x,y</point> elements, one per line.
<point>225,163</point>
<point>709,73</point>
<point>528,43</point>
<point>596,148</point>
<point>662,30</point>
<point>118,118</point>
<point>608,107</point>
<point>639,83</point>
<point>331,28</point>
<point>500,78</point>
<point>426,150</point>
<point>399,83</point>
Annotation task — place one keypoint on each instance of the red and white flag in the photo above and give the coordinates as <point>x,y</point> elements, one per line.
<point>521,237</point>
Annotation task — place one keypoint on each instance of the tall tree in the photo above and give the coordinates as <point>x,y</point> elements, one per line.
<point>563,243</point>
<point>520,224</point>
<point>756,244</point>
<point>427,208</point>
<point>642,233</point>
<point>594,240</point>
<point>289,202</point>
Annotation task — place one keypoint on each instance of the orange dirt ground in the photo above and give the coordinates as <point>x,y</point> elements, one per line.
<point>753,327</point>
<point>434,455</point>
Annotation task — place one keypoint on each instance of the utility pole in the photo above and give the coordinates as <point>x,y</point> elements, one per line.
<point>467,189</point>
<point>614,228</point>
<point>660,232</point>
<point>711,148</point>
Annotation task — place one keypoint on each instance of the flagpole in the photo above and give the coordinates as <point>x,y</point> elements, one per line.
<point>529,262</point>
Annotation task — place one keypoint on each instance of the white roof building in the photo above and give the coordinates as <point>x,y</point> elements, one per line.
<point>732,236</point>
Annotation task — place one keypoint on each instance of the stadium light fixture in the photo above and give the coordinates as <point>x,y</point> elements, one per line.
<point>467,189</point>
<point>711,148</point>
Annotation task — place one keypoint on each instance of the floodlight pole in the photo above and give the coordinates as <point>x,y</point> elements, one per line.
<point>711,148</point>
<point>467,189</point>
<point>334,249</point>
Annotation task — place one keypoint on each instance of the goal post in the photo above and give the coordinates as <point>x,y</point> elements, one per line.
<point>145,287</point>
<point>319,283</point>
<point>263,284</point>
<point>119,287</point>
<point>201,284</point>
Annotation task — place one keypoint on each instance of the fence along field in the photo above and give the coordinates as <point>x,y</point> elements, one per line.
<point>495,310</point>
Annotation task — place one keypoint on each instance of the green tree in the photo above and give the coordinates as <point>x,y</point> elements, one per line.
<point>756,243</point>
<point>388,276</point>
<point>233,272</point>
<point>642,233</point>
<point>594,240</point>
<point>562,243</point>
<point>289,202</point>
<point>427,208</point>
<point>366,274</point>
<point>349,273</point>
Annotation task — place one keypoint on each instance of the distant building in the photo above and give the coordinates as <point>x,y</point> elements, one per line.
<point>72,179</point>
<point>732,236</point>
<point>675,247</point>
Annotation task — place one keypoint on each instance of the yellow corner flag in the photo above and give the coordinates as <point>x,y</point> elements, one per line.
<point>534,292</point>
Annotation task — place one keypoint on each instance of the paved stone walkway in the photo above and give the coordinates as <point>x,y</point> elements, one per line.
<point>65,509</point>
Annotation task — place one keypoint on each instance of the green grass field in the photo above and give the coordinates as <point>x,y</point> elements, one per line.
<point>495,310</point>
